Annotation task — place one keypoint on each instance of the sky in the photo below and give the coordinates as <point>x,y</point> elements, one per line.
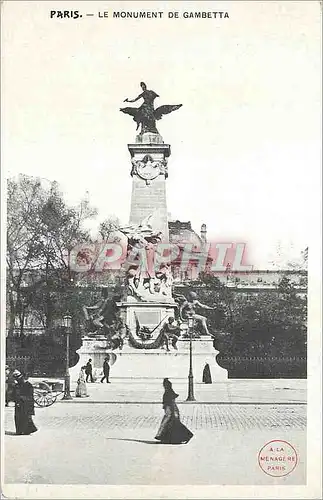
<point>246,144</point>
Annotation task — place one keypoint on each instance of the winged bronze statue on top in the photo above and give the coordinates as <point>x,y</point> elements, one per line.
<point>146,115</point>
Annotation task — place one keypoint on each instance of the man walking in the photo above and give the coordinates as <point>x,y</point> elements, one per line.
<point>106,370</point>
<point>88,371</point>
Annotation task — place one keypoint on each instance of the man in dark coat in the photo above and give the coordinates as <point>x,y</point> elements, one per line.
<point>24,405</point>
<point>88,371</point>
<point>106,370</point>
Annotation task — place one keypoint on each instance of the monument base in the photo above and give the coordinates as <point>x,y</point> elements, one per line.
<point>149,314</point>
<point>151,364</point>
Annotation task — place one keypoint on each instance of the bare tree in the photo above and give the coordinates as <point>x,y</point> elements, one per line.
<point>41,232</point>
<point>24,199</point>
<point>108,226</point>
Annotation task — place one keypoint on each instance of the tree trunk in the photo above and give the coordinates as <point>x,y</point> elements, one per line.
<point>48,301</point>
<point>49,312</point>
<point>12,316</point>
<point>22,321</point>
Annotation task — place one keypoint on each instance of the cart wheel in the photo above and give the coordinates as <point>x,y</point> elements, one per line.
<point>43,399</point>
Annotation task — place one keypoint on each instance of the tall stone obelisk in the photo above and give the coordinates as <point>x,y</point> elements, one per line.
<point>149,173</point>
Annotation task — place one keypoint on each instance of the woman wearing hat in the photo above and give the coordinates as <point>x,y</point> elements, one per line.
<point>171,430</point>
<point>24,405</point>
<point>81,391</point>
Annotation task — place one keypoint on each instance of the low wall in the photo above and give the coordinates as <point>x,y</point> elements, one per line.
<point>251,367</point>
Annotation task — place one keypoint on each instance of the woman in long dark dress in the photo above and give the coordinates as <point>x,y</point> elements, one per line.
<point>171,430</point>
<point>10,384</point>
<point>24,406</point>
<point>207,379</point>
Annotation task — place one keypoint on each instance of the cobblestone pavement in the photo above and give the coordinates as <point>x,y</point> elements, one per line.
<point>113,444</point>
<point>135,416</point>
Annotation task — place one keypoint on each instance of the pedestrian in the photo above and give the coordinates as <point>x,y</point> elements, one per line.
<point>206,378</point>
<point>81,391</point>
<point>24,405</point>
<point>106,370</point>
<point>171,430</point>
<point>10,384</point>
<point>7,385</point>
<point>88,371</point>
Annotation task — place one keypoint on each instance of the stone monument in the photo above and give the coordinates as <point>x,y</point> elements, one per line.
<point>149,300</point>
<point>148,304</point>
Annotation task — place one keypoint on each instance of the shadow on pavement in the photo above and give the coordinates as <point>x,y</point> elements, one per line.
<point>10,433</point>
<point>145,441</point>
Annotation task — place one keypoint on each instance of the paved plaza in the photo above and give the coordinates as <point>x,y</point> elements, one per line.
<point>79,442</point>
<point>126,390</point>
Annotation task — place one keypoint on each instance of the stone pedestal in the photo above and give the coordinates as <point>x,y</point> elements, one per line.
<point>153,364</point>
<point>149,314</point>
<point>95,349</point>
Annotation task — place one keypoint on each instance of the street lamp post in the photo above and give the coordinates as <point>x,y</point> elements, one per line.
<point>190,396</point>
<point>67,322</point>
